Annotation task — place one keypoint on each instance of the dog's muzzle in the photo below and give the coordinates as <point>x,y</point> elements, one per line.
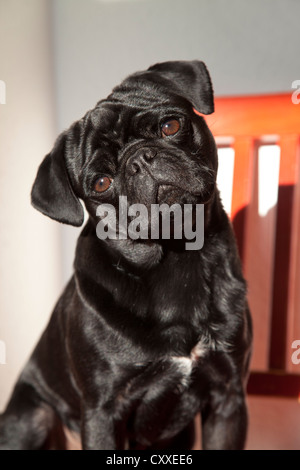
<point>139,163</point>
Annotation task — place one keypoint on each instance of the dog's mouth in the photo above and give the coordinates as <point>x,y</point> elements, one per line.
<point>156,176</point>
<point>168,194</point>
<point>171,194</point>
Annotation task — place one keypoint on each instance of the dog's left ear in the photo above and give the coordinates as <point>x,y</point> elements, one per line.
<point>52,192</point>
<point>192,80</point>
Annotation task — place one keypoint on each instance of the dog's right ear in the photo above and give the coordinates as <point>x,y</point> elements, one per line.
<point>52,192</point>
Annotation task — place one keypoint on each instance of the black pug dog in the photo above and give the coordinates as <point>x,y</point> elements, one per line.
<point>147,333</point>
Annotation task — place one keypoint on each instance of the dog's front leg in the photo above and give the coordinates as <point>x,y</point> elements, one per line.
<point>99,430</point>
<point>224,422</point>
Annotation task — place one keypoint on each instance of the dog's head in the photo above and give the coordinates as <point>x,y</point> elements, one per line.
<point>147,141</point>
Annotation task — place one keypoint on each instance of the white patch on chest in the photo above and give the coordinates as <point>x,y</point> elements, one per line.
<point>185,364</point>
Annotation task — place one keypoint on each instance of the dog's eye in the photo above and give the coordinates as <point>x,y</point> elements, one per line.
<point>170,127</point>
<point>102,184</point>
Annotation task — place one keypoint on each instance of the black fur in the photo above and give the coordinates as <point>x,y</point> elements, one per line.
<point>146,333</point>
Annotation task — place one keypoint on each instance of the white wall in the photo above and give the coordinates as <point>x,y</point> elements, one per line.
<point>30,275</point>
<point>249,47</point>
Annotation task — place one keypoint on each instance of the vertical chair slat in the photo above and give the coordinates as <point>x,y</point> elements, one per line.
<point>291,145</point>
<point>284,277</point>
<point>244,149</point>
<point>258,235</point>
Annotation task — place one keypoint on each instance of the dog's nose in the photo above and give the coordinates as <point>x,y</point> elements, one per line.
<point>139,160</point>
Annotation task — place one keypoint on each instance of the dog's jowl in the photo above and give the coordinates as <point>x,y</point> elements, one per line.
<point>147,333</point>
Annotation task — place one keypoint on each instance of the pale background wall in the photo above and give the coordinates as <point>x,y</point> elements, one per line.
<point>30,267</point>
<point>58,57</point>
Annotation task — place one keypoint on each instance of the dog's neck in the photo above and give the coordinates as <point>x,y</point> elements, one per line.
<point>101,261</point>
<point>145,297</point>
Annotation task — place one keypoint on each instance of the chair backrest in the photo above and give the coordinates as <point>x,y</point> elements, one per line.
<point>259,180</point>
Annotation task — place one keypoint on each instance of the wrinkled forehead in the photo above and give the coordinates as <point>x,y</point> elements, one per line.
<point>137,94</point>
<point>106,115</point>
<point>112,116</point>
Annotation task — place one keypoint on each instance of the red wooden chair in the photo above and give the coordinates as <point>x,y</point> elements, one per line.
<point>269,242</point>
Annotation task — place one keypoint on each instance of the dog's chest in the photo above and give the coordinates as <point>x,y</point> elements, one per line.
<point>162,393</point>
<point>168,374</point>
